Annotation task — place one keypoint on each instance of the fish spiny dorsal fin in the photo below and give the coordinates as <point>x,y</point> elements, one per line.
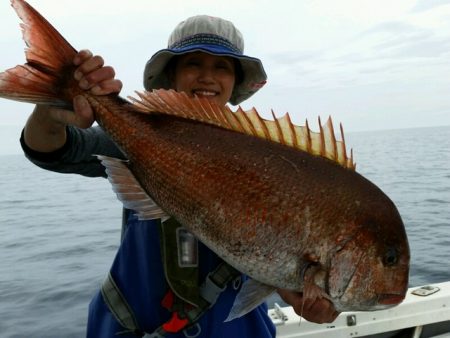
<point>281,130</point>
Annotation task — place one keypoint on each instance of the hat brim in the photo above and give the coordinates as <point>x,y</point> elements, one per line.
<point>254,75</point>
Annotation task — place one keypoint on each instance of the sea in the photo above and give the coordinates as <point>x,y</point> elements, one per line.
<point>59,232</point>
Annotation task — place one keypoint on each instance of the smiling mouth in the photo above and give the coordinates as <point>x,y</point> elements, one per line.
<point>205,93</point>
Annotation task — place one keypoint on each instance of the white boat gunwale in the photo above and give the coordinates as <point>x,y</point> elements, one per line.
<point>416,311</point>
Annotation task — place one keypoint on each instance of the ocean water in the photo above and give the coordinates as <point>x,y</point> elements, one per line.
<point>59,233</point>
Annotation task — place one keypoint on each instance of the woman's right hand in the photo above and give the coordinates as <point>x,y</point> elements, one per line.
<point>45,130</point>
<point>318,311</point>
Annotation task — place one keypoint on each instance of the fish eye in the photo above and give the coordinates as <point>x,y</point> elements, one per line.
<point>390,257</point>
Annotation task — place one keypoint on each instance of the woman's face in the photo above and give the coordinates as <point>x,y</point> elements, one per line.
<point>205,75</point>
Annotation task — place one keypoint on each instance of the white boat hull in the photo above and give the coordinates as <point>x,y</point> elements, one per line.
<point>422,307</point>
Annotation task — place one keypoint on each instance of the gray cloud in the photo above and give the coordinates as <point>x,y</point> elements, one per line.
<point>297,57</point>
<point>425,5</point>
<point>402,40</point>
<point>391,27</point>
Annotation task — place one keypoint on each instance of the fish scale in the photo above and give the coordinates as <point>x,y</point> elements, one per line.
<point>234,202</point>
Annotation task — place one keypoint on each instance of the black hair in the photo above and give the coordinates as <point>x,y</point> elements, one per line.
<point>238,72</point>
<point>169,68</point>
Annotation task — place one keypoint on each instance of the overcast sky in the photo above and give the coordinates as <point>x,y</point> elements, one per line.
<point>369,64</point>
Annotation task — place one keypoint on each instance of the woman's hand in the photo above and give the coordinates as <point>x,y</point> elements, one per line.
<point>318,310</point>
<point>45,130</point>
<point>94,76</point>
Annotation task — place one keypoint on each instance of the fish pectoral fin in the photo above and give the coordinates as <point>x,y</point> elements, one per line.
<point>128,189</point>
<point>252,294</point>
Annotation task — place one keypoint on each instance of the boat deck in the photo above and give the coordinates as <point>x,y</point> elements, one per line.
<point>425,312</point>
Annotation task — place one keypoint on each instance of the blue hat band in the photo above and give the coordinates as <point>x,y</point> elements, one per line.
<point>203,40</point>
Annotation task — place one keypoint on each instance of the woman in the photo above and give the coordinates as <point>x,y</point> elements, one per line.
<point>204,58</point>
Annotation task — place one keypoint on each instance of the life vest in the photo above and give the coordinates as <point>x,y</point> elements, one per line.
<point>186,298</point>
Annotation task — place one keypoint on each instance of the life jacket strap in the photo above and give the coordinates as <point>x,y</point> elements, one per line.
<point>184,315</point>
<point>157,334</point>
<point>216,282</point>
<point>119,306</point>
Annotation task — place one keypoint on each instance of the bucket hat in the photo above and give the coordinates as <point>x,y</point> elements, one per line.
<point>211,35</point>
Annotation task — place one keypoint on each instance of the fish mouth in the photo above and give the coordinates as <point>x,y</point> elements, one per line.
<point>390,298</point>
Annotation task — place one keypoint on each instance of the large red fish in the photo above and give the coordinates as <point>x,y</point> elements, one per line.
<point>278,202</point>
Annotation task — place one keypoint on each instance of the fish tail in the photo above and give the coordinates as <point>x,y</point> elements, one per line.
<point>47,76</point>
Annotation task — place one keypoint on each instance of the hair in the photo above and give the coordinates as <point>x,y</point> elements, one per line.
<point>238,72</point>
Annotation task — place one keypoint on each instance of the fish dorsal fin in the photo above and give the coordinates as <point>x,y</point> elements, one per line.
<point>128,189</point>
<point>281,130</point>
